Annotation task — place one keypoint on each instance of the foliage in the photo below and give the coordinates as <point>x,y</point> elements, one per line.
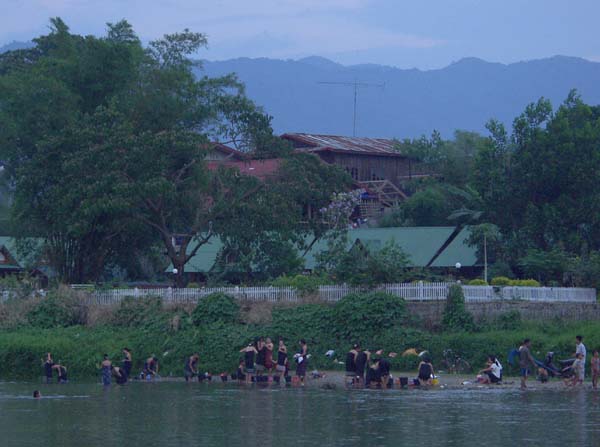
<point>546,265</point>
<point>456,317</point>
<point>477,282</point>
<point>363,317</point>
<point>500,281</point>
<point>363,265</point>
<point>216,307</point>
<point>305,284</point>
<point>57,310</point>
<point>524,283</point>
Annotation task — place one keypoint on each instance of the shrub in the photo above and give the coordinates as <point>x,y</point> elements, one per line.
<point>524,283</point>
<point>363,316</point>
<point>135,312</point>
<point>305,284</point>
<point>510,320</point>
<point>500,281</point>
<point>59,309</point>
<point>477,282</point>
<point>216,307</point>
<point>456,316</point>
<point>193,285</point>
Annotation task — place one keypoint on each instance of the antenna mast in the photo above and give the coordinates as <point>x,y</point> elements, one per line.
<point>356,85</point>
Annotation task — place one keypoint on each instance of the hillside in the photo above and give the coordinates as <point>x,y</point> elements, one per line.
<point>463,95</point>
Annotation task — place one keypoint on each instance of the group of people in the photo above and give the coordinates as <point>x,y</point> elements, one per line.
<point>260,361</point>
<point>572,370</point>
<point>365,370</point>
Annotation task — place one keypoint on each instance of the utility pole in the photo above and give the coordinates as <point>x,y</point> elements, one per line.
<point>356,85</point>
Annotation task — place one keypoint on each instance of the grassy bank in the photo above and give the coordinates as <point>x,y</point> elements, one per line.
<point>218,327</point>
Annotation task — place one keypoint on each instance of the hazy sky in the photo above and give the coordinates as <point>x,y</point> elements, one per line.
<point>404,33</point>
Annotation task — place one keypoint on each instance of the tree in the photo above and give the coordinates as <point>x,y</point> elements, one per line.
<point>120,135</point>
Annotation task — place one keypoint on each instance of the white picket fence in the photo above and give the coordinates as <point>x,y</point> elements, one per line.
<point>409,291</point>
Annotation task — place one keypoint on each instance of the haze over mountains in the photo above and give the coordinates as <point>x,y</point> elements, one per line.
<point>464,95</point>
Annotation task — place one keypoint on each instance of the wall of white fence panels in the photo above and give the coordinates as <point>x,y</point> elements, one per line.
<point>408,291</point>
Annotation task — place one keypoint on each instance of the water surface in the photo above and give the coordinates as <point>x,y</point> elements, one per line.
<point>173,414</point>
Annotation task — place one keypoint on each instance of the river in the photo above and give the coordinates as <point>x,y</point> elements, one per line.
<point>175,413</point>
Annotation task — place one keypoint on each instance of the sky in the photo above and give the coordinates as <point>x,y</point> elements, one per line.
<point>421,34</point>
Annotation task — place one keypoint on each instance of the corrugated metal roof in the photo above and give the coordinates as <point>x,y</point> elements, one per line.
<point>458,251</point>
<point>419,243</point>
<point>336,143</point>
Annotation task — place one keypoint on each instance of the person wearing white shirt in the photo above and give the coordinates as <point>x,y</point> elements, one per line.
<point>580,349</point>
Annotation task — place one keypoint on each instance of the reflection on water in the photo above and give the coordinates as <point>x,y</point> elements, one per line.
<point>170,414</point>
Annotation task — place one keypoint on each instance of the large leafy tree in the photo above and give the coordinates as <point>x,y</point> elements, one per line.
<point>101,134</point>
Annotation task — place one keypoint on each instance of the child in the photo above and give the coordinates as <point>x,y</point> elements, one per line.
<point>595,369</point>
<point>577,368</point>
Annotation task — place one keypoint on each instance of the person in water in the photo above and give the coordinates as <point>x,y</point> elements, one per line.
<point>249,356</point>
<point>269,365</point>
<point>106,367</point>
<point>126,363</point>
<point>120,375</point>
<point>351,364</point>
<point>426,373</point>
<point>240,371</point>
<point>48,364</point>
<point>302,361</point>
<point>282,360</point>
<point>190,368</point>
<point>37,394</point>
<point>363,358</point>
<point>61,372</point>
<point>150,368</point>
<point>261,350</point>
<point>373,377</point>
<point>384,368</point>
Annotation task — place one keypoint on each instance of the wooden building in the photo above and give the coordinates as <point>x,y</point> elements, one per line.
<point>375,164</point>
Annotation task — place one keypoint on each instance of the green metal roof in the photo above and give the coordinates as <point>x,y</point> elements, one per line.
<point>9,245</point>
<point>420,243</point>
<point>458,251</point>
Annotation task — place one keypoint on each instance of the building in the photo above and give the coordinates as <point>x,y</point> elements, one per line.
<point>13,262</point>
<point>438,248</point>
<point>375,164</point>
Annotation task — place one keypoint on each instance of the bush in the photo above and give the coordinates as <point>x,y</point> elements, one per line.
<point>305,284</point>
<point>58,309</point>
<point>456,316</point>
<point>135,312</point>
<point>524,283</point>
<point>216,307</point>
<point>500,281</point>
<point>477,282</point>
<point>193,285</point>
<point>364,316</point>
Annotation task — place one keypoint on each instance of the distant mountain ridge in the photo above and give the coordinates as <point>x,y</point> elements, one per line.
<point>463,95</point>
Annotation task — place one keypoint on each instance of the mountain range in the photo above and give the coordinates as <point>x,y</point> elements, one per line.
<point>316,95</point>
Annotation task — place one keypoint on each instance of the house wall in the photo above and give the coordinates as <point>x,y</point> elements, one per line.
<point>373,167</point>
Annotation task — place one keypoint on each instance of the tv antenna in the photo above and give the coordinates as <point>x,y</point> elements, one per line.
<point>356,85</point>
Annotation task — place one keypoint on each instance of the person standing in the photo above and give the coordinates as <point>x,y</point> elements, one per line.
<point>48,364</point>
<point>269,355</point>
<point>302,361</point>
<point>190,369</point>
<point>261,350</point>
<point>106,367</point>
<point>362,361</point>
<point>126,364</point>
<point>249,355</point>
<point>351,363</point>
<point>281,360</point>
<point>580,349</point>
<point>526,362</point>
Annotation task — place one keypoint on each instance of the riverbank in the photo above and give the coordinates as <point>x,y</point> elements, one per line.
<point>218,328</point>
